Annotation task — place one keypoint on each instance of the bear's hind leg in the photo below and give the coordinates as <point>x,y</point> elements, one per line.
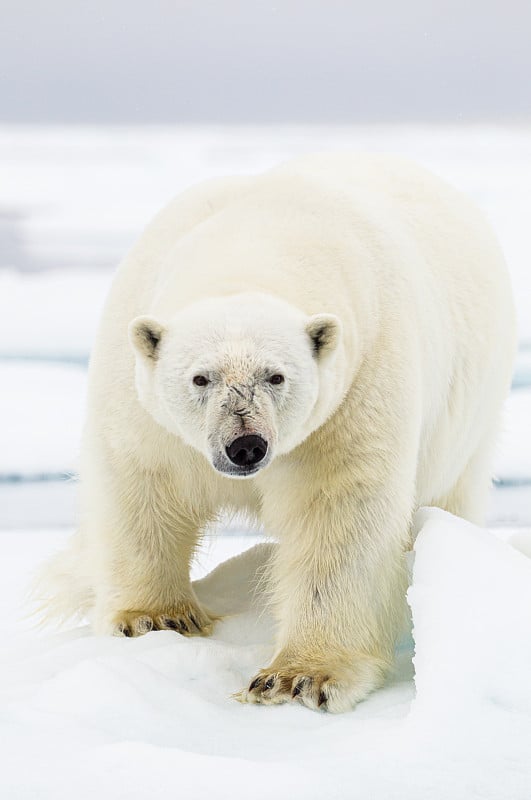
<point>469,496</point>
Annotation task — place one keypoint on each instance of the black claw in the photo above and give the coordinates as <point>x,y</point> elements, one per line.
<point>297,690</point>
<point>126,630</point>
<point>255,683</point>
<point>183,626</point>
<point>322,699</point>
<point>269,683</point>
<point>169,623</point>
<point>196,623</point>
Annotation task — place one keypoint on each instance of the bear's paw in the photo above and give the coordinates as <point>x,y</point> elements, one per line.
<point>337,689</point>
<point>186,618</point>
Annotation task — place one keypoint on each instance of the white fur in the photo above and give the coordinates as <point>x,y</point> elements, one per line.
<point>399,408</point>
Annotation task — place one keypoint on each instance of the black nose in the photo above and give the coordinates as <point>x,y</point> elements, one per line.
<point>246,451</point>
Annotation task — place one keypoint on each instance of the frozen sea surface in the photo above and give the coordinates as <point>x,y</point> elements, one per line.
<point>80,195</point>
<point>45,402</point>
<point>83,716</point>
<point>72,201</point>
<point>153,717</point>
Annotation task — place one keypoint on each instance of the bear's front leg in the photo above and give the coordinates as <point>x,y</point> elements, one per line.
<point>142,535</point>
<point>339,583</point>
<point>335,683</point>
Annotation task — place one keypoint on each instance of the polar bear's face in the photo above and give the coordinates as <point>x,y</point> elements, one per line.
<point>241,379</point>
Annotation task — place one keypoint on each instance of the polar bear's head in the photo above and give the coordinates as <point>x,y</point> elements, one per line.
<point>242,378</point>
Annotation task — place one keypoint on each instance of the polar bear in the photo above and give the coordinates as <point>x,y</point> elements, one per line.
<point>324,347</point>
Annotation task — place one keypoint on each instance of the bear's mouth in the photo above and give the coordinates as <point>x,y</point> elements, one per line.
<point>229,470</point>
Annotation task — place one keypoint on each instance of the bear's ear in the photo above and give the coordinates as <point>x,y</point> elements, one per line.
<point>324,331</point>
<point>145,334</point>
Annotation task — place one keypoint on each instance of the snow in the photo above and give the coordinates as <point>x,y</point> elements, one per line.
<point>153,717</point>
<point>78,196</point>
<point>74,199</point>
<point>513,459</point>
<point>46,406</point>
<point>484,624</point>
<point>85,717</point>
<point>52,314</point>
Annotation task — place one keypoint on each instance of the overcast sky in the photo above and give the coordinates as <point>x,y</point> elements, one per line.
<point>248,61</point>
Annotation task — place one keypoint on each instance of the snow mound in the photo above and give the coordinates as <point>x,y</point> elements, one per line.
<point>471,606</point>
<point>152,717</point>
<point>471,603</point>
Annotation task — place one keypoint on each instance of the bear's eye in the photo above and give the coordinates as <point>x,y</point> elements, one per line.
<point>276,379</point>
<point>200,380</point>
